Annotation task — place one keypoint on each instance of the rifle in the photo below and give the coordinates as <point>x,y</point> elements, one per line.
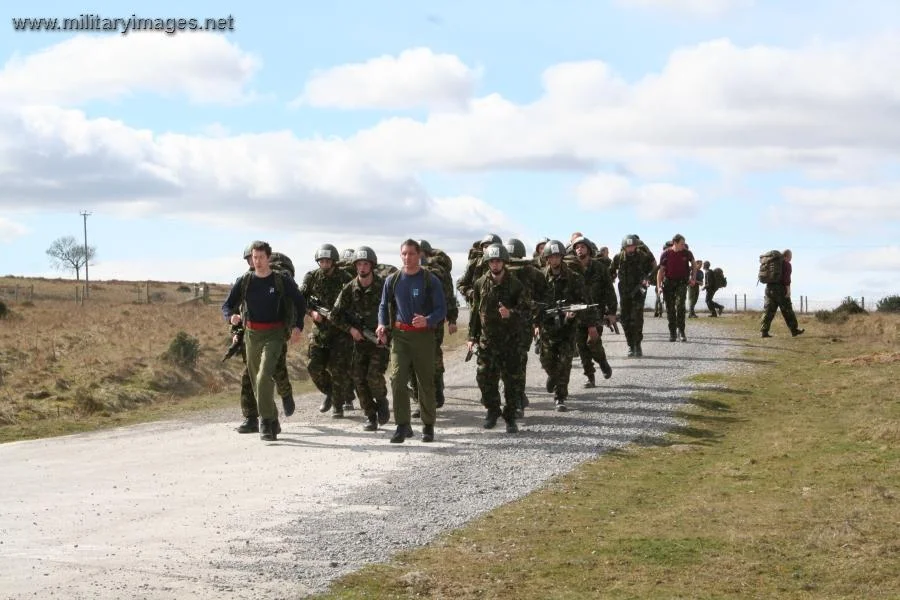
<point>237,344</point>
<point>469,354</point>
<point>559,309</point>
<point>353,320</point>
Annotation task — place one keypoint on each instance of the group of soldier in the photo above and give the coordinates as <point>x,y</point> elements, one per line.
<point>560,297</point>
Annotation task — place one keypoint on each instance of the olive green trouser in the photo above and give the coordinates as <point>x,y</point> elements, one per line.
<point>412,352</point>
<point>282,384</point>
<point>264,349</point>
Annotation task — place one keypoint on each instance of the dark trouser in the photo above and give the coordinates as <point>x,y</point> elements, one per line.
<point>658,307</point>
<point>557,352</point>
<point>263,352</point>
<point>330,356</point>
<point>776,297</point>
<point>632,317</point>
<point>675,294</point>
<point>412,353</point>
<point>588,351</point>
<point>282,384</point>
<point>368,367</point>
<point>496,362</point>
<point>693,297</point>
<point>711,304</point>
<point>523,346</point>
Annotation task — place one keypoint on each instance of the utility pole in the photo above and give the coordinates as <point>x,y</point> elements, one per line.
<point>86,289</point>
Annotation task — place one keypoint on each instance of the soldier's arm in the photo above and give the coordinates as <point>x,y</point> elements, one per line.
<point>474,317</point>
<point>465,283</point>
<point>299,300</point>
<point>342,304</point>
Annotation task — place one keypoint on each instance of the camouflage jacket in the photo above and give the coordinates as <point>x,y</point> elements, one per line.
<point>600,288</point>
<point>324,289</point>
<point>447,286</point>
<point>360,304</point>
<point>632,269</point>
<point>566,286</point>
<point>475,268</point>
<point>485,323</point>
<point>349,267</point>
<point>533,280</point>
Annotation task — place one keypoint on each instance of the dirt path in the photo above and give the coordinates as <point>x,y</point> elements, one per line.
<point>192,509</point>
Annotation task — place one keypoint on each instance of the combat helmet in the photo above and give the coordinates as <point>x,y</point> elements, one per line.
<point>491,238</point>
<point>515,247</point>
<point>327,251</point>
<point>583,240</point>
<point>248,251</point>
<point>554,247</point>
<point>496,251</point>
<point>425,247</point>
<point>630,240</point>
<point>347,254</point>
<point>365,253</point>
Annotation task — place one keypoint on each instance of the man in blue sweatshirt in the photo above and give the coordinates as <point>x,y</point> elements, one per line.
<point>412,307</point>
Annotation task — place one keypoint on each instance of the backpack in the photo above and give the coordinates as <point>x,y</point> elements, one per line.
<point>383,270</point>
<point>286,308</point>
<point>770,265</point>
<point>280,262</point>
<point>719,280</point>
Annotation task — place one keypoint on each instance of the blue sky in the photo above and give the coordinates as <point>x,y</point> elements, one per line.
<point>744,125</point>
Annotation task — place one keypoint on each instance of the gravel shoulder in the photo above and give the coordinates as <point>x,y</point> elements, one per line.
<point>192,509</point>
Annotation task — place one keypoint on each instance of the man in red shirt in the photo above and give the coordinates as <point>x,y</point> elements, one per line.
<point>677,271</point>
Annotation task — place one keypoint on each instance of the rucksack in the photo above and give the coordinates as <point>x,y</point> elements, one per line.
<point>383,270</point>
<point>719,280</point>
<point>279,261</point>
<point>770,265</point>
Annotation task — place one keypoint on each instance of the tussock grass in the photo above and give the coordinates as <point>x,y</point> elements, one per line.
<point>67,367</point>
<point>792,491</point>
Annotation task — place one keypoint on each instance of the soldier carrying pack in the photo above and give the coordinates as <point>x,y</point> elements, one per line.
<point>770,265</point>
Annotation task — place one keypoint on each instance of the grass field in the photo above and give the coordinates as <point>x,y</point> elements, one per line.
<point>785,483</point>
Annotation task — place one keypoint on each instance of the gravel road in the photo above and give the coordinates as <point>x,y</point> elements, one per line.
<point>192,509</point>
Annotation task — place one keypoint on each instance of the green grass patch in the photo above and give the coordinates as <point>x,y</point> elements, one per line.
<point>784,482</point>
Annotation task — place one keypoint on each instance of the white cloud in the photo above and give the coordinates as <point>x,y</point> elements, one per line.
<point>205,67</point>
<point>653,201</point>
<point>846,209</point>
<point>10,230</point>
<point>703,8</point>
<point>415,78</point>
<point>886,258</point>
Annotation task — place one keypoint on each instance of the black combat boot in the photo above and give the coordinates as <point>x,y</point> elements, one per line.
<point>348,405</point>
<point>383,411</point>
<point>672,336</point>
<point>511,426</point>
<point>372,423</point>
<point>551,384</point>
<point>399,435</point>
<point>337,411</point>
<point>490,420</point>
<point>682,336</point>
<point>326,404</point>
<point>269,430</point>
<point>591,382</point>
<point>631,350</point>
<point>289,406</point>
<point>427,433</point>
<point>605,368</point>
<point>797,332</point>
<point>764,334</point>
<point>637,350</point>
<point>438,390</point>
<point>250,425</point>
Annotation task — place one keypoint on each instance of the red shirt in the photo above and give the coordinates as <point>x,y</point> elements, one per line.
<point>677,265</point>
<point>786,273</point>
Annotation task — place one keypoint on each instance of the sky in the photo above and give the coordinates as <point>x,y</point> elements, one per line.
<point>744,125</point>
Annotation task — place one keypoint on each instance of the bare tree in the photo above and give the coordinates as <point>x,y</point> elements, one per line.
<point>67,254</point>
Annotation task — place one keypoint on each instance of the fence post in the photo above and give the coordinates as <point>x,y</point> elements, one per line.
<point>205,293</point>
<point>148,292</point>
<point>735,303</point>
<point>863,302</point>
<point>31,293</point>
<point>17,292</point>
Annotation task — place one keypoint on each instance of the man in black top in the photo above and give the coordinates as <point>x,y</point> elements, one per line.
<point>271,307</point>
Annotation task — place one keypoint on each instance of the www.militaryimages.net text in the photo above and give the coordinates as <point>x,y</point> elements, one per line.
<point>98,23</point>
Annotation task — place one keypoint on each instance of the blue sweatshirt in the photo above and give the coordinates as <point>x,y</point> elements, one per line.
<point>410,299</point>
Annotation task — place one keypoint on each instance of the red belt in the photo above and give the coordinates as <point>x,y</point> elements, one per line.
<point>405,327</point>
<point>257,326</point>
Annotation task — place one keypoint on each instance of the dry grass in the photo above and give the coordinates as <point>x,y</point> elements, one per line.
<point>69,367</point>
<point>792,492</point>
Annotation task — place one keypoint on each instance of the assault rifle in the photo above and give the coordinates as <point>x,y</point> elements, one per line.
<point>560,308</point>
<point>352,320</point>
<point>237,343</point>
<point>470,353</point>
